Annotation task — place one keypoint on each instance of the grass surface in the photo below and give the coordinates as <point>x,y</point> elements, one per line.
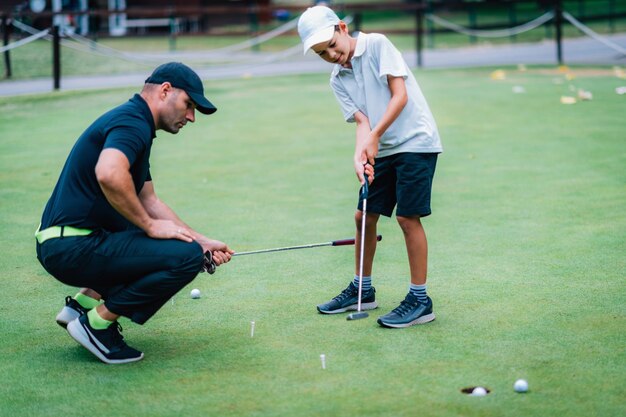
<point>526,259</point>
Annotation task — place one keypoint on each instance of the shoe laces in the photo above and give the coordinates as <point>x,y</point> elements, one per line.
<point>405,307</point>
<point>348,292</point>
<point>116,334</point>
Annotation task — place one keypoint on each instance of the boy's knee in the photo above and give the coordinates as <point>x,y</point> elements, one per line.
<point>370,219</point>
<point>408,223</point>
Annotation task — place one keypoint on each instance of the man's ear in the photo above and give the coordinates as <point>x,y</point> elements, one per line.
<point>165,89</point>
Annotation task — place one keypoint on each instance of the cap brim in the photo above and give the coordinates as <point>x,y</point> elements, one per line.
<point>322,35</point>
<point>203,105</point>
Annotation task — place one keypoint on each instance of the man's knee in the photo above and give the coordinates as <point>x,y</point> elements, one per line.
<point>192,258</point>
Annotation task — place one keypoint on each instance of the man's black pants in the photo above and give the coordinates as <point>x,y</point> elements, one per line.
<point>134,273</point>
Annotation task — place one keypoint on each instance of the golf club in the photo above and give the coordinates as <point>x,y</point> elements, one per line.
<point>209,264</point>
<point>340,242</point>
<point>361,314</point>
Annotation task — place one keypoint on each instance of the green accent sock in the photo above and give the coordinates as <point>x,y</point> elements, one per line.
<point>86,301</point>
<point>96,321</point>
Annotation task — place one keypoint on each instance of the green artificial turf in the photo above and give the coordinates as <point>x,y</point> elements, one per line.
<point>526,265</point>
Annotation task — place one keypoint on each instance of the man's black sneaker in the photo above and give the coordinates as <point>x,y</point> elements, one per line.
<point>409,312</point>
<point>71,311</point>
<point>108,344</point>
<point>348,300</point>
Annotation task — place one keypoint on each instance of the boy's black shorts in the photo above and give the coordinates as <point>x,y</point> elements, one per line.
<point>404,179</point>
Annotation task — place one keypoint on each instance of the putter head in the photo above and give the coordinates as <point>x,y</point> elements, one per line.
<point>357,316</point>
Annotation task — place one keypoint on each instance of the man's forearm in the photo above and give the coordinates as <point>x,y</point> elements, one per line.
<point>159,210</point>
<point>120,193</point>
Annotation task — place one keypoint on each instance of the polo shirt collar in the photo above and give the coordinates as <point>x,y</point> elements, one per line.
<point>359,49</point>
<point>361,44</point>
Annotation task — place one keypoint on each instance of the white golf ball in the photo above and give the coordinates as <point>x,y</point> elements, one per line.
<point>479,392</point>
<point>195,293</point>
<point>520,385</point>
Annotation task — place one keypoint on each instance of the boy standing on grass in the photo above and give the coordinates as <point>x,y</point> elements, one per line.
<point>396,133</point>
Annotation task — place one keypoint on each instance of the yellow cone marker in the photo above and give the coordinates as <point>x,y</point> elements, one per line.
<point>498,75</point>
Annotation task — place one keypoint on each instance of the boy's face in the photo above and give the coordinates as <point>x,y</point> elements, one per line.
<point>339,49</point>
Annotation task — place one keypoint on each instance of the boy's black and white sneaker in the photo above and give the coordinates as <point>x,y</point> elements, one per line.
<point>348,300</point>
<point>108,345</point>
<point>71,311</point>
<point>408,313</point>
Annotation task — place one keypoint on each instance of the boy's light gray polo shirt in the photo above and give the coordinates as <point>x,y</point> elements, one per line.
<point>364,88</point>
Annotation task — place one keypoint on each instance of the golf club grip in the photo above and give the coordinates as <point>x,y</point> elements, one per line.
<point>365,187</point>
<point>345,242</point>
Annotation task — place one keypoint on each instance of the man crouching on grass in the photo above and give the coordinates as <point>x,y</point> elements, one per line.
<point>105,230</point>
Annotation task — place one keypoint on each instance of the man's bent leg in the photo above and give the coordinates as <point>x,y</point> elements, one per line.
<point>136,274</point>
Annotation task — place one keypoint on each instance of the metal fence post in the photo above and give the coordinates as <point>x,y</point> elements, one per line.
<point>56,58</point>
<point>173,33</point>
<point>558,22</point>
<point>512,18</point>
<point>471,15</point>
<point>430,26</point>
<point>611,13</point>
<point>419,16</point>
<point>253,17</point>
<point>358,21</point>
<point>6,37</point>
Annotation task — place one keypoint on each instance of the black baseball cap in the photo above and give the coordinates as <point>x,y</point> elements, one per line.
<point>183,77</point>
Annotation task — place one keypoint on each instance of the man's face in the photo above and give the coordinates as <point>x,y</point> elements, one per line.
<point>178,109</point>
<point>337,50</point>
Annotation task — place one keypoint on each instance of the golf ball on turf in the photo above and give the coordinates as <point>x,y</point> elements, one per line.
<point>195,293</point>
<point>479,392</point>
<point>520,385</point>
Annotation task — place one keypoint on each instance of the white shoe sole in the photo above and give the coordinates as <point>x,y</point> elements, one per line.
<point>78,333</point>
<point>66,315</point>
<point>420,320</point>
<point>353,307</point>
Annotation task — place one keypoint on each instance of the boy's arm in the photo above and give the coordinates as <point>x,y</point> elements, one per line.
<point>367,139</point>
<point>361,161</point>
<point>396,104</point>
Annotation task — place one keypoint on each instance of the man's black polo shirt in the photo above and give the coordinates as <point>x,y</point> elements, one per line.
<point>77,199</point>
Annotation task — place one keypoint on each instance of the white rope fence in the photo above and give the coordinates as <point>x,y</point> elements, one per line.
<point>83,44</point>
<point>25,41</point>
<point>45,34</point>
<point>259,39</point>
<point>587,31</point>
<point>235,55</point>
<point>225,55</point>
<point>89,46</point>
<point>499,33</point>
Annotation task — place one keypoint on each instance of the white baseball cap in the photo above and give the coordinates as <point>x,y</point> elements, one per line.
<point>316,25</point>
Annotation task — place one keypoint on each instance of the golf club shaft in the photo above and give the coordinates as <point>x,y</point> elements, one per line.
<point>341,242</point>
<point>364,193</point>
